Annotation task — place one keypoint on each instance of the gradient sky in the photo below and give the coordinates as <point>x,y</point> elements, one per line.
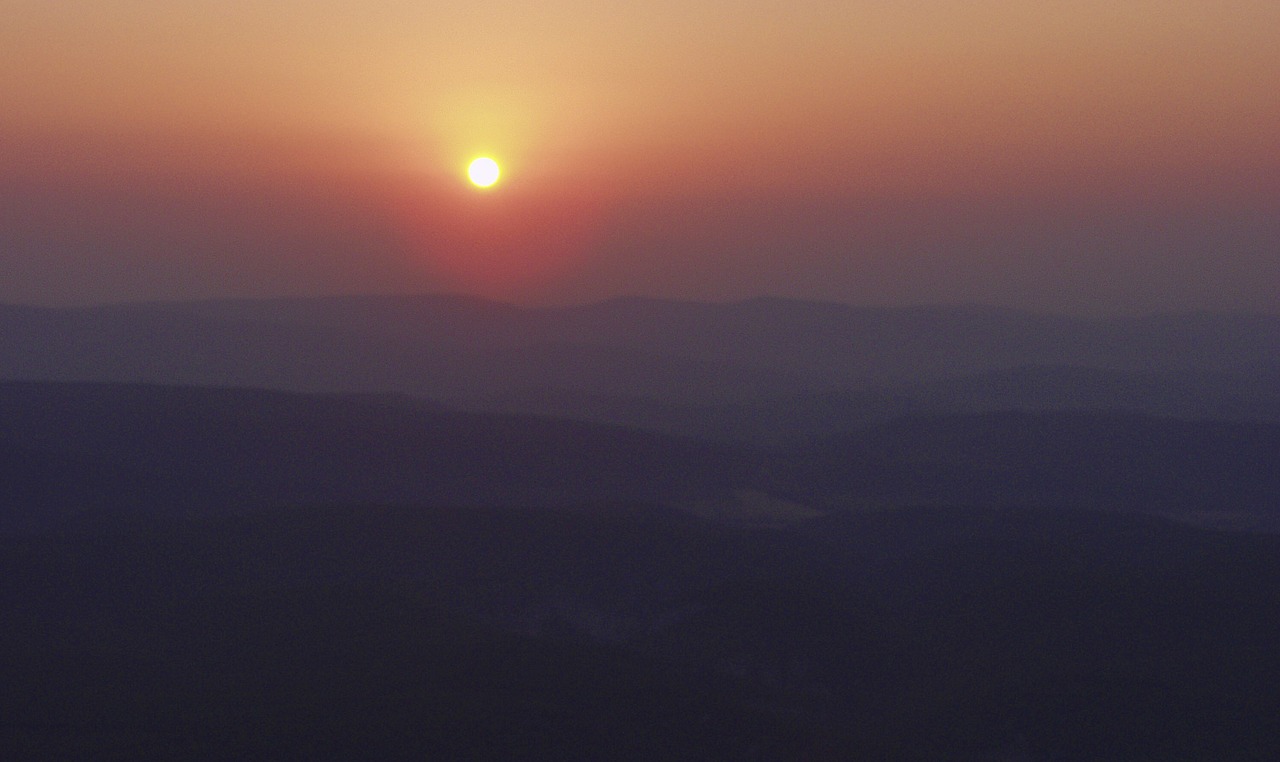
<point>1082,156</point>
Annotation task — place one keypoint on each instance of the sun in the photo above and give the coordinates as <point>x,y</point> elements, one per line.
<point>483,172</point>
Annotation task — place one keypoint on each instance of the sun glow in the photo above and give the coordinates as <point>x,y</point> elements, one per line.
<point>483,172</point>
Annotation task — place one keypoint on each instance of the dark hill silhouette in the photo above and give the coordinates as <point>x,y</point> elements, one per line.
<point>1186,395</point>
<point>1089,460</point>
<point>76,450</point>
<point>130,447</point>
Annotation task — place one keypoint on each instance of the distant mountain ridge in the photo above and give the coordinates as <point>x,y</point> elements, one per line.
<point>690,364</point>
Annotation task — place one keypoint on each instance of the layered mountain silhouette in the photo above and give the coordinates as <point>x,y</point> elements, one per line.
<point>625,357</point>
<point>442,527</point>
<point>86,450</point>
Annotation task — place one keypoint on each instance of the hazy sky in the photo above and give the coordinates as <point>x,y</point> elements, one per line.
<point>1071,156</point>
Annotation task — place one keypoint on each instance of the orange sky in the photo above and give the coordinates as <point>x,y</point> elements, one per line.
<point>639,141</point>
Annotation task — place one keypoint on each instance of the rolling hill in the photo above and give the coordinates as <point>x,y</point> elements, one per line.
<point>77,449</point>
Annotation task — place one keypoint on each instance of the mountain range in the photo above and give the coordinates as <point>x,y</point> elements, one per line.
<point>438,526</point>
<point>664,363</point>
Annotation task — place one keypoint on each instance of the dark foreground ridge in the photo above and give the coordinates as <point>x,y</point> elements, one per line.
<point>625,632</point>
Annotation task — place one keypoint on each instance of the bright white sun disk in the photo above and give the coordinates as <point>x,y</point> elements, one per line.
<point>483,172</point>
